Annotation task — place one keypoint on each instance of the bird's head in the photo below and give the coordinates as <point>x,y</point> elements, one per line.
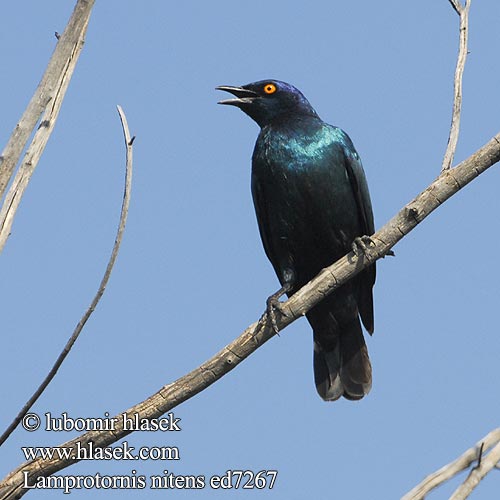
<point>268,100</point>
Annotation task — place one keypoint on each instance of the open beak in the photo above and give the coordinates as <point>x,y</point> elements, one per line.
<point>243,96</point>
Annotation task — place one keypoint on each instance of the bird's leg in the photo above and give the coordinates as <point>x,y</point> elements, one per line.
<point>273,303</point>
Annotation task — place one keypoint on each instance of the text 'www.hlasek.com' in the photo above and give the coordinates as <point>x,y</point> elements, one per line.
<point>79,450</point>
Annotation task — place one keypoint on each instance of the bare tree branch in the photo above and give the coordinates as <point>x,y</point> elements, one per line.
<point>332,277</point>
<point>100,291</point>
<point>459,71</point>
<point>460,464</point>
<point>457,6</point>
<point>51,90</point>
<point>478,473</point>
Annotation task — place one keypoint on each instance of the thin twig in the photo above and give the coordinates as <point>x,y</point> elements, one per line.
<point>488,463</point>
<point>459,71</point>
<point>331,278</point>
<point>100,291</point>
<point>450,470</point>
<point>479,456</point>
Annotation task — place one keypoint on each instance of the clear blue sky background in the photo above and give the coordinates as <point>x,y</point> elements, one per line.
<point>191,274</point>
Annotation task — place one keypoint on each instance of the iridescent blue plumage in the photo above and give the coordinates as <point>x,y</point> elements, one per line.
<point>312,201</point>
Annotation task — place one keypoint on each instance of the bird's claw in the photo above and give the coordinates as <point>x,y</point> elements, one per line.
<point>273,304</point>
<point>361,245</point>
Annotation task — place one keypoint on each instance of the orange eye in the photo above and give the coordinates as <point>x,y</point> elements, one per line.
<point>270,88</point>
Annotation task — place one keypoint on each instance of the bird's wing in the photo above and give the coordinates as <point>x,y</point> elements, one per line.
<point>361,194</point>
<point>261,210</point>
<point>360,191</point>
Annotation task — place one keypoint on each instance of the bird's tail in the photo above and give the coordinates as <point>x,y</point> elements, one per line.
<point>341,363</point>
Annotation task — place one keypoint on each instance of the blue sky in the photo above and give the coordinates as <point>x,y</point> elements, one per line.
<point>191,273</point>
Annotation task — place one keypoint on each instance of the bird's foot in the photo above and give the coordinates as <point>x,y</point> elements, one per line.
<point>361,245</point>
<point>273,304</point>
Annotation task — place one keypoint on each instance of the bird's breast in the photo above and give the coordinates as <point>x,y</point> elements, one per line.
<point>299,153</point>
<point>294,151</point>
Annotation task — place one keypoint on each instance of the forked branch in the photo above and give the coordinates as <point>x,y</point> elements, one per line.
<point>470,457</point>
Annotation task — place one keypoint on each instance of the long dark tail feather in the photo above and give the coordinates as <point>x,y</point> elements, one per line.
<point>341,363</point>
<point>327,373</point>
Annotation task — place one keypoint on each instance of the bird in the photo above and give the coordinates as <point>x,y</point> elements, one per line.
<point>313,206</point>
